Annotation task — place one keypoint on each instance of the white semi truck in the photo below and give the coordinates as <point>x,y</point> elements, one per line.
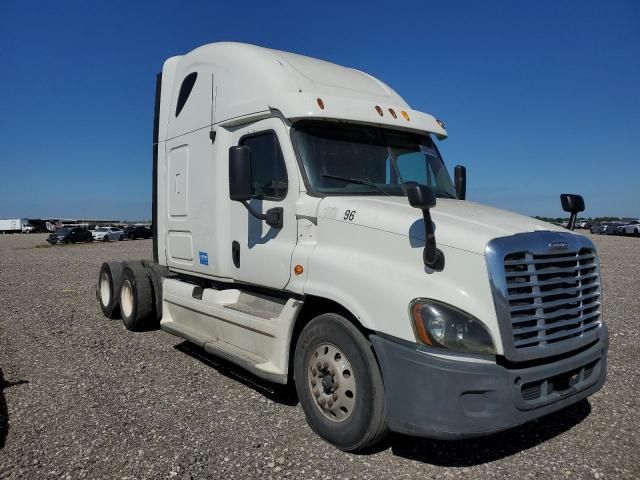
<point>305,227</point>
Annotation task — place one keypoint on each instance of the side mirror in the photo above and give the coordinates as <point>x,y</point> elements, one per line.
<point>241,181</point>
<point>460,178</point>
<point>240,178</point>
<point>424,198</point>
<point>573,204</point>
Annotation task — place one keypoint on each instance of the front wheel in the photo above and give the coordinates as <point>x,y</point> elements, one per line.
<point>105,239</point>
<point>339,383</point>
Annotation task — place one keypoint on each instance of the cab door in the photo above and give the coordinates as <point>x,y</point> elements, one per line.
<point>261,254</point>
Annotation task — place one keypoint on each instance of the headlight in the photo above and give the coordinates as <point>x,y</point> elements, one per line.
<point>443,326</point>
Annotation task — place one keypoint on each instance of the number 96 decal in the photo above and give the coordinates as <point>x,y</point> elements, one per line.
<point>349,215</point>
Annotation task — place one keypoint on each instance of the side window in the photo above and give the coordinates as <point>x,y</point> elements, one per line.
<point>413,168</point>
<point>267,164</point>
<point>185,90</point>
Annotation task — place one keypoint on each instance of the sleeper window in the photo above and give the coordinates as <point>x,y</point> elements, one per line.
<point>185,90</point>
<point>267,165</point>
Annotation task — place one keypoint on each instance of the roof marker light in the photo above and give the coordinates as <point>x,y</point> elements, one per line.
<point>379,110</point>
<point>440,122</point>
<point>320,103</point>
<point>393,113</point>
<point>405,115</point>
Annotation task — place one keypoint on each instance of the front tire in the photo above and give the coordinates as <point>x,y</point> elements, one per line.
<point>136,297</point>
<point>105,239</point>
<point>339,383</point>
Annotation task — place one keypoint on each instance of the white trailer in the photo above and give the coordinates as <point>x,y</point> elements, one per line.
<point>306,228</point>
<point>13,225</point>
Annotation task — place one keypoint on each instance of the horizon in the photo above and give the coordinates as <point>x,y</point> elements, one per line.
<point>538,99</point>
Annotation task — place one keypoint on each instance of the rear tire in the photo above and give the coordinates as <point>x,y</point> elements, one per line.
<point>343,399</point>
<point>156,275</point>
<point>108,288</point>
<point>136,297</point>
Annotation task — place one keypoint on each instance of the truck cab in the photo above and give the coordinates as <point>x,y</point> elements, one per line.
<point>306,228</point>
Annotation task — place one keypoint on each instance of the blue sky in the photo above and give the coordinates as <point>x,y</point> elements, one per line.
<point>539,98</point>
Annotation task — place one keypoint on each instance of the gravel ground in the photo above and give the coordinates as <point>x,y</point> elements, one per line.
<point>80,397</point>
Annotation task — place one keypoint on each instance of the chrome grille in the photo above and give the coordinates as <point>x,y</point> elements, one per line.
<point>551,297</point>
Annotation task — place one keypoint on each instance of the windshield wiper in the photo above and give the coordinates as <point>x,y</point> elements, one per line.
<point>357,181</point>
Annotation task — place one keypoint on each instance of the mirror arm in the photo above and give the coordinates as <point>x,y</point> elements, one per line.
<point>572,221</point>
<point>432,255</point>
<point>273,217</point>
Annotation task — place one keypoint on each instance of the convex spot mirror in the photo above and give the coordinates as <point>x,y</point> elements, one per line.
<point>424,198</point>
<point>420,196</point>
<point>573,204</point>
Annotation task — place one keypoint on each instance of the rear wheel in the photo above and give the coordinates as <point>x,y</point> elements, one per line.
<point>108,288</point>
<point>136,297</point>
<point>339,383</point>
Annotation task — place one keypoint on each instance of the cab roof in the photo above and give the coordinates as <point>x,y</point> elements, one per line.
<point>242,80</point>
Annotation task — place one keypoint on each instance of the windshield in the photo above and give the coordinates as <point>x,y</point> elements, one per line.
<point>100,229</point>
<point>341,159</point>
<point>63,231</point>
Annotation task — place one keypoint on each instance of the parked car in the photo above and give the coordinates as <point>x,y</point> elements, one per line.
<point>70,235</point>
<point>595,228</point>
<point>605,228</point>
<point>632,228</point>
<point>134,232</point>
<point>106,234</point>
<point>619,229</point>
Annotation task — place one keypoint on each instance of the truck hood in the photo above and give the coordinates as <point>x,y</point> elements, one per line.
<point>458,224</point>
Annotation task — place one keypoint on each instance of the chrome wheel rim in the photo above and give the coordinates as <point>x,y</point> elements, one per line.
<point>332,382</point>
<point>105,289</point>
<point>126,298</point>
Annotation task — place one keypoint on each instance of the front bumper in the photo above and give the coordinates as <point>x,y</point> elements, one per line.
<point>434,397</point>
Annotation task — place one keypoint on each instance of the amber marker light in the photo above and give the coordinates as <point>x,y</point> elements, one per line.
<point>320,103</point>
<point>405,115</point>
<point>379,110</point>
<point>393,113</point>
<point>418,322</point>
<point>298,269</point>
<point>440,122</point>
